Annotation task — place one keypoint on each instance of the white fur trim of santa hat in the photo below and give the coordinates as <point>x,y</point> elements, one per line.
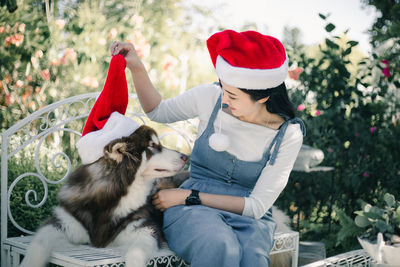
<point>91,146</point>
<point>251,78</point>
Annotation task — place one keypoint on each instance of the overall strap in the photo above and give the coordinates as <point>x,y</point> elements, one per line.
<point>279,136</point>
<point>214,112</point>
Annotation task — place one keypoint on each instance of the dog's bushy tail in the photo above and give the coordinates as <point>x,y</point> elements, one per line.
<point>282,225</point>
<point>40,248</point>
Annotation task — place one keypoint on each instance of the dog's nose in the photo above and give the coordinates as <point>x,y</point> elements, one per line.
<point>184,157</point>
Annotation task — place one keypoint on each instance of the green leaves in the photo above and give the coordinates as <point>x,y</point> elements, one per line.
<point>330,27</point>
<point>390,200</point>
<point>352,43</point>
<point>377,219</point>
<point>331,44</point>
<point>361,221</point>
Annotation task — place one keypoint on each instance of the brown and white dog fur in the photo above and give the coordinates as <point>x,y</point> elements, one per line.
<point>108,202</point>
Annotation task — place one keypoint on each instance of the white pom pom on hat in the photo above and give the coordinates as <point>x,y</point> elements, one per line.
<point>248,60</point>
<point>219,142</point>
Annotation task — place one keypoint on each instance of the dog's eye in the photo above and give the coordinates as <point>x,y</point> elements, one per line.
<point>154,147</point>
<point>153,144</point>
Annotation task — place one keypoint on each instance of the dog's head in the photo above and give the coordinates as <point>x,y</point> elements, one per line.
<point>144,150</point>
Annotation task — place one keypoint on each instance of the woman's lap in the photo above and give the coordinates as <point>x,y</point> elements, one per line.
<point>195,233</point>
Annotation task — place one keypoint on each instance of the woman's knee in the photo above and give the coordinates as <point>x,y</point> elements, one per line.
<point>202,233</point>
<point>214,248</point>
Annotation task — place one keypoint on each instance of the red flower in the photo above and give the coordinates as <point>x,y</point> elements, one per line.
<point>8,99</point>
<point>366,175</point>
<point>385,71</point>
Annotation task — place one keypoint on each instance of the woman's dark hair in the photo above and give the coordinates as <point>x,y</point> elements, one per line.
<point>278,101</point>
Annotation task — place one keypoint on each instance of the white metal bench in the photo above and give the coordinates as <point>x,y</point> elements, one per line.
<point>35,161</point>
<point>355,258</point>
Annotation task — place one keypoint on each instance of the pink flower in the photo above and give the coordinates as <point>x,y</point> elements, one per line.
<point>295,73</point>
<point>90,82</point>
<point>385,71</point>
<point>372,129</point>
<point>60,23</point>
<point>45,74</point>
<point>39,53</point>
<point>317,112</point>
<point>102,41</point>
<point>301,107</point>
<point>169,62</point>
<point>19,83</point>
<point>7,42</point>
<point>55,62</point>
<point>17,39</point>
<point>70,54</point>
<point>366,175</point>
<point>356,134</point>
<point>21,27</point>
<point>141,45</point>
<point>112,34</point>
<point>9,100</point>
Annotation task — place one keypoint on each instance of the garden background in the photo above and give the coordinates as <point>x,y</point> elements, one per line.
<point>349,100</point>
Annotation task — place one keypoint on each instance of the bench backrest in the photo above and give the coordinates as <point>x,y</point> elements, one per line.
<point>38,153</point>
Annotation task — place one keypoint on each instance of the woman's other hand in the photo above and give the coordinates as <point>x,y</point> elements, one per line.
<point>167,198</point>
<point>129,52</point>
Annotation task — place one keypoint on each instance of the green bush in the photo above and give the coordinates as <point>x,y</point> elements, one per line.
<point>354,118</point>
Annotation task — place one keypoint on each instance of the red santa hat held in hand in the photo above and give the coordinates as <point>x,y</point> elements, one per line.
<point>106,120</point>
<point>247,60</point>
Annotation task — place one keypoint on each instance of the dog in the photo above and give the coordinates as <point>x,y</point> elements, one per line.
<point>108,203</point>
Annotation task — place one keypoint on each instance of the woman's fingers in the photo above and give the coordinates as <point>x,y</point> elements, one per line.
<point>120,48</point>
<point>115,47</point>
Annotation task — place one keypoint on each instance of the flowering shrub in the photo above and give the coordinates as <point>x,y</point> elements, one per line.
<point>45,58</point>
<point>353,118</point>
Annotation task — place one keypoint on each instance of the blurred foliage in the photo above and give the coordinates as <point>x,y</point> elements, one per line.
<point>351,111</point>
<point>55,49</point>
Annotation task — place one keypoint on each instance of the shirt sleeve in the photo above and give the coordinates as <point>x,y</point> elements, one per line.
<point>190,104</point>
<point>274,178</point>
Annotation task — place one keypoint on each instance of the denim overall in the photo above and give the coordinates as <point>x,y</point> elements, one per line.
<point>208,237</point>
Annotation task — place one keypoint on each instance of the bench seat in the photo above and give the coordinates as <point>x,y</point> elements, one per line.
<point>67,254</point>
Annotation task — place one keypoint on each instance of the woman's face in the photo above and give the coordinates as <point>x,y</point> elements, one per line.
<point>240,103</point>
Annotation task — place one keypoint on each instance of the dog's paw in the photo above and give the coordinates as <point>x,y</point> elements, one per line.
<point>136,258</point>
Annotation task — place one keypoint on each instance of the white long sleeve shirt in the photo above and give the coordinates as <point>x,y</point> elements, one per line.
<point>248,141</point>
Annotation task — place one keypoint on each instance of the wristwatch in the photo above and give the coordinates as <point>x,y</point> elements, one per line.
<point>193,198</point>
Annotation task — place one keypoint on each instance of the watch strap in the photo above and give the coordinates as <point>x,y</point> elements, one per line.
<point>193,198</point>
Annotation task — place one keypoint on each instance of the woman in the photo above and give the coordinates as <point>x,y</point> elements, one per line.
<point>248,140</point>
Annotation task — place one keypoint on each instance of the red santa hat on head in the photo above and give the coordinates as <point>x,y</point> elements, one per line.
<point>249,59</point>
<point>106,121</point>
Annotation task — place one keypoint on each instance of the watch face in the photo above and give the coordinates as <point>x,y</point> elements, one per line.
<point>192,200</point>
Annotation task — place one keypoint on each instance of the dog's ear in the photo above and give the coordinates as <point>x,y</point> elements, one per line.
<point>115,151</point>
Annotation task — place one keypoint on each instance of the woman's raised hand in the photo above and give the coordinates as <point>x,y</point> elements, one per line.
<point>128,51</point>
